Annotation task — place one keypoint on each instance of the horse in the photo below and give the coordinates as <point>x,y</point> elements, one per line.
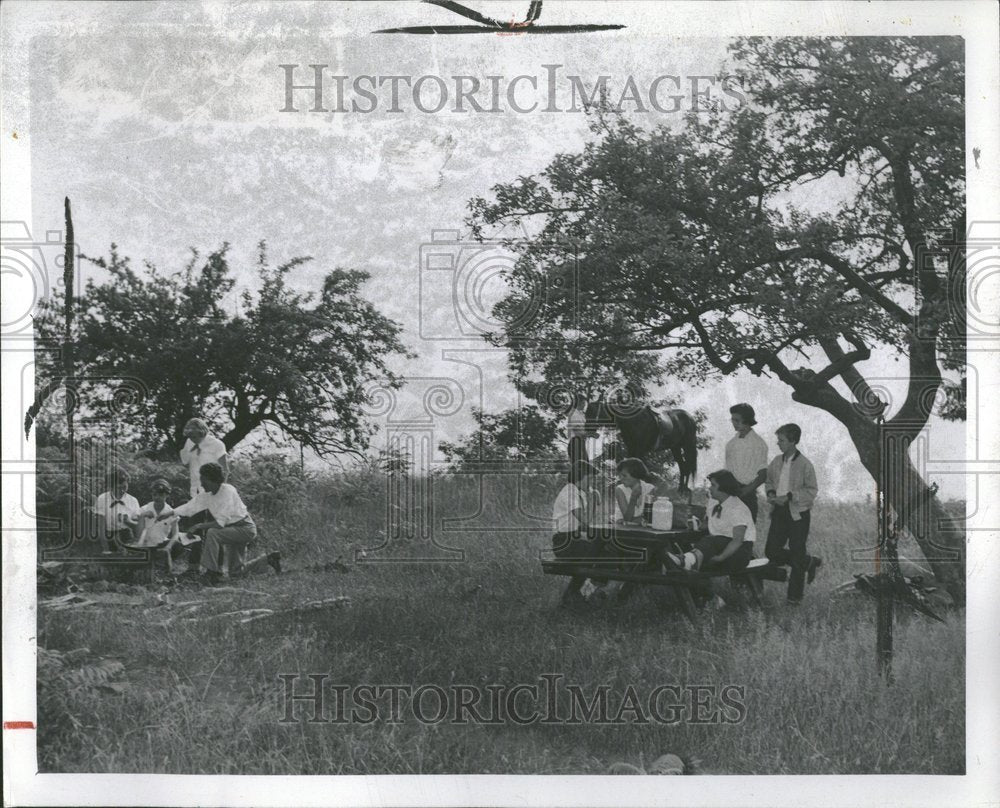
<point>643,431</point>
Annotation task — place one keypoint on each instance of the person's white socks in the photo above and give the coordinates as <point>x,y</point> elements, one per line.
<point>686,562</point>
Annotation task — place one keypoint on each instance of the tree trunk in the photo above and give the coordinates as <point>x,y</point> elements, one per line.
<point>242,426</point>
<point>921,513</point>
<point>885,453</point>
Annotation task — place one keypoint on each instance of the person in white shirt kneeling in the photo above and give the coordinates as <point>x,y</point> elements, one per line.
<point>728,547</point>
<point>231,527</point>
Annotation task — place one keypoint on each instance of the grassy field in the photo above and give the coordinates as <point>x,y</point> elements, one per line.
<point>202,696</point>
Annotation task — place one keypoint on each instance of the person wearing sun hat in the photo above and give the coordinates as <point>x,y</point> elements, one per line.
<point>160,531</point>
<point>156,529</point>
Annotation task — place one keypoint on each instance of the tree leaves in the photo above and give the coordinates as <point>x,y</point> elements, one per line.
<point>292,359</point>
<point>694,252</point>
<point>519,435</point>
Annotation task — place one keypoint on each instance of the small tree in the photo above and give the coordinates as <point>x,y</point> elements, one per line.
<point>523,435</point>
<point>296,361</point>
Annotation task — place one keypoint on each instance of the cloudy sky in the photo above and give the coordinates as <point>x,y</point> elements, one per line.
<point>162,123</point>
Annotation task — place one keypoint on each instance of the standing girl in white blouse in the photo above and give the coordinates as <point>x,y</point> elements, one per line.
<point>200,448</point>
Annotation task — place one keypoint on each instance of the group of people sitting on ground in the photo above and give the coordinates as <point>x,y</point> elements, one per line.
<point>731,513</point>
<point>214,528</point>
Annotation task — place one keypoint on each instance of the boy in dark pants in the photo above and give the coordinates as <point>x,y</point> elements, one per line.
<point>791,490</point>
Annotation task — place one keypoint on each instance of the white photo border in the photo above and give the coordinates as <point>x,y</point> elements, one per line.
<point>977,22</point>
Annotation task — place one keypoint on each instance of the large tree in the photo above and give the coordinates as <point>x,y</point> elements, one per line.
<point>276,358</point>
<point>695,246</point>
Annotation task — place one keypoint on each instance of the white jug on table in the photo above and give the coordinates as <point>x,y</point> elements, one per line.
<point>663,514</point>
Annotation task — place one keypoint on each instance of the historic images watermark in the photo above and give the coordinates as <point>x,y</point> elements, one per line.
<point>312,698</point>
<point>314,87</point>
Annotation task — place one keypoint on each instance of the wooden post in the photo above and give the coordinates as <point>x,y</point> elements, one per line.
<point>68,305</point>
<point>687,603</point>
<point>75,514</point>
<point>885,561</point>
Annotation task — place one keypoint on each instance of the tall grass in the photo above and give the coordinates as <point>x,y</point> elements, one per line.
<point>204,697</point>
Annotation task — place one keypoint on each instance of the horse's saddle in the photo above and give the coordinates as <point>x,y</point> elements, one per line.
<point>667,426</point>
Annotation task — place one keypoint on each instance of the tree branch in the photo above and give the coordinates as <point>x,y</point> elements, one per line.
<point>856,383</point>
<point>841,363</point>
<point>855,281</point>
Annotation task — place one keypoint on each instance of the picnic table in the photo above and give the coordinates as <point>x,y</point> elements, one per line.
<point>637,558</point>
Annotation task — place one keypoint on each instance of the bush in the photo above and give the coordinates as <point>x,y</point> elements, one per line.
<point>272,487</point>
<point>282,501</point>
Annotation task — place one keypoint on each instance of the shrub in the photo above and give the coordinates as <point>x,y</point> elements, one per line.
<point>271,486</point>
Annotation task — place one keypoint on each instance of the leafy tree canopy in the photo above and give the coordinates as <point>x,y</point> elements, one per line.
<point>689,241</point>
<point>154,350</point>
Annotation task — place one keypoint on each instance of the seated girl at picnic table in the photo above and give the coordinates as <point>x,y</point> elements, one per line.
<point>231,527</point>
<point>728,547</point>
<point>571,539</point>
<point>636,482</point>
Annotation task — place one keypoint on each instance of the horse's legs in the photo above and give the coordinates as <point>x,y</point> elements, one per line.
<point>682,473</point>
